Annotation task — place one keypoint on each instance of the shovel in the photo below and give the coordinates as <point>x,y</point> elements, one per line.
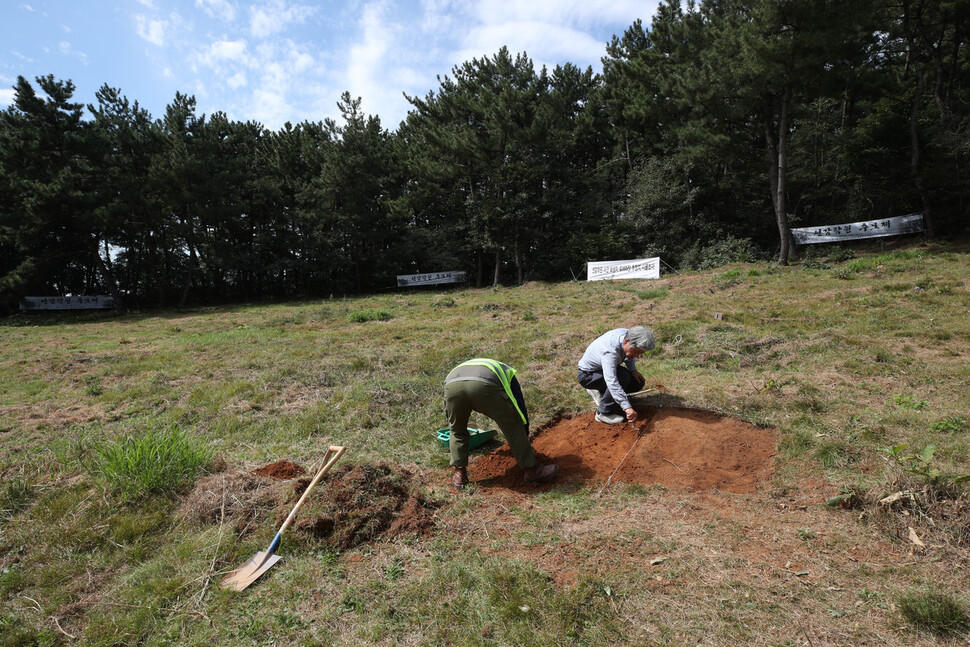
<point>264,560</point>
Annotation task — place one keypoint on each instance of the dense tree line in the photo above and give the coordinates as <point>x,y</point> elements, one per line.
<point>705,139</point>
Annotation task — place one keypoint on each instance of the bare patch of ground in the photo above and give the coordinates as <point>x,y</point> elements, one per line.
<point>677,448</point>
<point>281,470</point>
<point>352,505</point>
<point>33,417</point>
<point>364,503</point>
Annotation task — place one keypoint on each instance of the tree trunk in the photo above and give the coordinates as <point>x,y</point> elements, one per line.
<point>777,162</point>
<point>914,143</point>
<point>498,268</point>
<point>107,270</point>
<point>190,273</point>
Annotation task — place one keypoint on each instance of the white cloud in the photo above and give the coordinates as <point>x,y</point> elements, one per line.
<point>7,96</point>
<point>220,9</point>
<point>546,44</point>
<point>563,12</point>
<point>152,30</point>
<point>388,59</point>
<point>269,107</point>
<point>236,81</point>
<point>68,50</point>
<point>274,16</point>
<point>228,50</point>
<point>28,8</point>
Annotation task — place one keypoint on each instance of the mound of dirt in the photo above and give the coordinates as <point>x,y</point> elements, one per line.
<point>361,503</point>
<point>352,505</point>
<point>280,470</point>
<point>240,498</point>
<point>678,448</point>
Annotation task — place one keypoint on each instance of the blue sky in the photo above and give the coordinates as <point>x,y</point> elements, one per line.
<point>274,61</point>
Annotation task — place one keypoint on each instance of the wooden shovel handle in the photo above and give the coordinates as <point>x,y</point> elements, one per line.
<point>331,457</point>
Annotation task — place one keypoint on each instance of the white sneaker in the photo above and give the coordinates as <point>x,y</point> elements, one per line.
<point>596,395</point>
<point>610,418</point>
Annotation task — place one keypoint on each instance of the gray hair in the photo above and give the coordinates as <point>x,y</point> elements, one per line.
<point>640,337</point>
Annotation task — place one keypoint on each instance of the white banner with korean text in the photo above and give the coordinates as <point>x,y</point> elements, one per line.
<point>432,278</point>
<point>67,303</point>
<point>909,224</point>
<point>640,268</point>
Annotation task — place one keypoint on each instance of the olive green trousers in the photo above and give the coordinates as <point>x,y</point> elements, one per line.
<point>465,396</point>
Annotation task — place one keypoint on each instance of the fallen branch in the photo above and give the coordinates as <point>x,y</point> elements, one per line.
<point>61,629</point>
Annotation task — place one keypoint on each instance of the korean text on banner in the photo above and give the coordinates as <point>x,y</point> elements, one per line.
<point>68,303</point>
<point>910,224</point>
<point>641,268</point>
<point>432,278</point>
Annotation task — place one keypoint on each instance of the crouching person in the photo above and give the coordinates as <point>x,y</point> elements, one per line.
<point>490,388</point>
<point>603,374</point>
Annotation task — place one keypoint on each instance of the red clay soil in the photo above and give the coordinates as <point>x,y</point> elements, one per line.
<point>679,448</point>
<point>280,470</point>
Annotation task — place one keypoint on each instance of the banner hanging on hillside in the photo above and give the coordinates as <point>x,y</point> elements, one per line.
<point>433,278</point>
<point>67,303</point>
<point>909,224</point>
<point>641,268</point>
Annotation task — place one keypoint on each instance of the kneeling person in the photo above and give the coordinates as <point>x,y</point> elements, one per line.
<point>490,388</point>
<point>602,373</point>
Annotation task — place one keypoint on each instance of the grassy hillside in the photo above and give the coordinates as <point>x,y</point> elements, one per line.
<point>108,424</point>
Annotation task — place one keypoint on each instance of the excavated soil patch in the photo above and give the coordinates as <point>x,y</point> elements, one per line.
<point>280,470</point>
<point>242,499</point>
<point>363,503</point>
<point>679,448</point>
<point>352,505</point>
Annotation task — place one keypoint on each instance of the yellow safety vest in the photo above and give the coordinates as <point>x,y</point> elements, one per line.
<point>504,375</point>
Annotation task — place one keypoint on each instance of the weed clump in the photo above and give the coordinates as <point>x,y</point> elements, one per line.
<point>158,460</point>
<point>15,497</point>
<point>362,316</point>
<point>939,613</point>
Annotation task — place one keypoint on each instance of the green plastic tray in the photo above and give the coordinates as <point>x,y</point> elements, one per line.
<point>477,439</point>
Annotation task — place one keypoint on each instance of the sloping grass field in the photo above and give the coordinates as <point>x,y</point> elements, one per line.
<point>857,360</point>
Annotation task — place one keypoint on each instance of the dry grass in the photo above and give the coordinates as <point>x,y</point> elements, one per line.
<point>843,363</point>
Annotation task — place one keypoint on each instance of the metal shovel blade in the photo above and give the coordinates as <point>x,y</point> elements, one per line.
<point>250,571</point>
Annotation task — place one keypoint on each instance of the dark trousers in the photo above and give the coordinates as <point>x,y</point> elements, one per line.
<point>595,380</point>
<point>490,399</point>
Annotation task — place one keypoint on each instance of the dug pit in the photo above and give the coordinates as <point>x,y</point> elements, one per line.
<point>678,448</point>
<point>364,503</point>
<point>352,505</point>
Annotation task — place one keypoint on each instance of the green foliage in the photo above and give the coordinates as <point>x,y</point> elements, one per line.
<point>16,495</point>
<point>833,453</point>
<point>157,460</point>
<point>361,316</point>
<point>848,497</point>
<point>949,425</point>
<point>721,252</point>
<point>920,464</point>
<point>908,402</point>
<point>939,613</point>
<point>92,385</point>
<point>15,634</point>
<point>839,254</point>
<point>657,293</point>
